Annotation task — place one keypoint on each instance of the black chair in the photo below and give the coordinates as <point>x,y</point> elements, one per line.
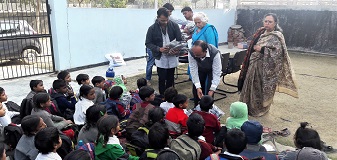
<point>181,59</point>
<point>234,65</point>
<point>224,62</point>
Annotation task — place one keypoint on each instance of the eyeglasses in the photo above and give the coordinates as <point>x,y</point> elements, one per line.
<point>266,21</point>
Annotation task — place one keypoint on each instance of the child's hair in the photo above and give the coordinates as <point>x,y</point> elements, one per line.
<point>2,90</point>
<point>29,124</point>
<point>156,114</point>
<point>93,114</point>
<point>59,83</point>
<point>307,137</point>
<point>2,149</point>
<point>81,77</point>
<point>145,92</point>
<point>46,139</point>
<point>78,154</point>
<point>158,136</point>
<point>179,99</point>
<point>34,83</point>
<point>195,125</point>
<point>97,79</point>
<point>157,100</point>
<point>170,93</point>
<point>85,90</point>
<point>62,75</point>
<point>141,82</point>
<point>235,141</point>
<point>115,92</point>
<point>40,98</point>
<point>206,103</point>
<point>104,125</point>
<point>168,154</point>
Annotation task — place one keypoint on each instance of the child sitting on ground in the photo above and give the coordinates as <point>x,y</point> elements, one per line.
<point>89,132</point>
<point>25,148</point>
<point>87,94</point>
<point>238,115</point>
<point>235,142</point>
<point>169,94</point>
<point>253,132</point>
<point>114,106</point>
<point>27,104</point>
<point>65,107</point>
<point>47,141</point>
<point>303,137</point>
<point>140,137</point>
<point>140,111</point>
<point>212,124</point>
<point>195,126</point>
<point>135,94</point>
<point>158,138</point>
<point>176,118</point>
<point>65,75</point>
<point>7,118</point>
<point>41,101</point>
<point>108,145</point>
<point>82,79</point>
<point>98,82</point>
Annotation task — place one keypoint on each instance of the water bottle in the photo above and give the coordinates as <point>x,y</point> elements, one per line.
<point>80,143</point>
<point>110,73</point>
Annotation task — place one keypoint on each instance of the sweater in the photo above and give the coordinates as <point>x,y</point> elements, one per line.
<point>176,121</point>
<point>25,149</point>
<point>113,150</point>
<point>49,119</point>
<point>88,136</point>
<point>212,125</point>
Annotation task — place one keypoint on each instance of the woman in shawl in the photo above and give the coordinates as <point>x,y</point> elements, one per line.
<point>204,31</point>
<point>266,68</point>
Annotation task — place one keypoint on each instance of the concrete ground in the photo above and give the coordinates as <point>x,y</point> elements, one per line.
<point>316,77</point>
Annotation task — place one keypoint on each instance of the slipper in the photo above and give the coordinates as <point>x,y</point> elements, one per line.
<point>284,132</point>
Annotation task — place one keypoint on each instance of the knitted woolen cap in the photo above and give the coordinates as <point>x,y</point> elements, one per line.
<point>253,131</point>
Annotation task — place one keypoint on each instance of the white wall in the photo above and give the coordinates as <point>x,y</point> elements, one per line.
<point>82,36</point>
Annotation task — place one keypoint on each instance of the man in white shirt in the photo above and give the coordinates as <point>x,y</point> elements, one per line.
<point>205,66</point>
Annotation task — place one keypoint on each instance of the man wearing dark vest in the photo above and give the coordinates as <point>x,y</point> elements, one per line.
<point>205,65</point>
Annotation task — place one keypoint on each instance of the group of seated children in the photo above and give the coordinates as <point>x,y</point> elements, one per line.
<point>154,128</point>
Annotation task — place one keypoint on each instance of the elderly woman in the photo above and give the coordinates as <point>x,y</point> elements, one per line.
<point>266,68</point>
<point>204,31</point>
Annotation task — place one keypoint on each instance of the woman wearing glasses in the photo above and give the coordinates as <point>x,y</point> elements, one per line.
<point>266,68</point>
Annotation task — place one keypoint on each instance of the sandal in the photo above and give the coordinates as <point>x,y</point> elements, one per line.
<point>284,132</point>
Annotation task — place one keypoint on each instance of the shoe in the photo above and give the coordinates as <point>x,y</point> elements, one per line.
<point>148,82</point>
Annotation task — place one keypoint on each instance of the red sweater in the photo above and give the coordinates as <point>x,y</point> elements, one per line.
<point>176,121</point>
<point>211,125</point>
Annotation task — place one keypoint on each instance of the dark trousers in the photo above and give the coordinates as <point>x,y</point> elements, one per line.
<point>203,77</point>
<point>165,79</point>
